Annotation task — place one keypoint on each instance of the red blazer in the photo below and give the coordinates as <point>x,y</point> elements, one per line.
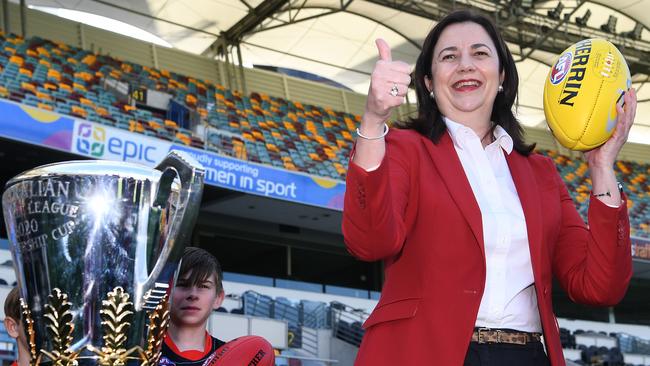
<point>417,212</point>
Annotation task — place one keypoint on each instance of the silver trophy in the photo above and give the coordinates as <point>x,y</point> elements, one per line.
<point>96,246</point>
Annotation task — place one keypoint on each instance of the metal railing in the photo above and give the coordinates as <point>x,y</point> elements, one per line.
<point>310,340</point>
<point>347,323</point>
<point>316,315</point>
<point>300,335</point>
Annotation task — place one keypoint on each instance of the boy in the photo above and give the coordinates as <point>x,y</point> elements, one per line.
<point>15,328</point>
<point>198,291</point>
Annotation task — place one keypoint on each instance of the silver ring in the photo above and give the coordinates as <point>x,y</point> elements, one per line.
<point>394,90</point>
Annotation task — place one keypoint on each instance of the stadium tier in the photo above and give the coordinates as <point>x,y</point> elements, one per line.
<point>67,80</point>
<point>257,128</point>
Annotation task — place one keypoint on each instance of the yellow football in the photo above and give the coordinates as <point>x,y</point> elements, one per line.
<point>581,92</point>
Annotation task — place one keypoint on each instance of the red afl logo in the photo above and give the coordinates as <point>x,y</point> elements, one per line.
<point>561,68</point>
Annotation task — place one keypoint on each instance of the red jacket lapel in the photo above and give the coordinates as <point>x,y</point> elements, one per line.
<point>450,169</point>
<point>448,165</point>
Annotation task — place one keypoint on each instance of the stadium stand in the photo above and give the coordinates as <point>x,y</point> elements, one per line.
<point>258,128</point>
<point>599,348</point>
<point>584,342</point>
<point>583,347</point>
<point>278,132</point>
<point>634,177</point>
<point>67,80</point>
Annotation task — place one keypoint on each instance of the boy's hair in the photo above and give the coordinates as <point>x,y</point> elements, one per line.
<point>203,265</point>
<point>12,304</point>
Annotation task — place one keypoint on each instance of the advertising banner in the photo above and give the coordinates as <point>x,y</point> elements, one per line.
<point>32,125</point>
<point>105,142</point>
<point>267,181</point>
<point>36,126</point>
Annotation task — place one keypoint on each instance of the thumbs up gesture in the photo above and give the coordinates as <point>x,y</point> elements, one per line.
<point>388,86</point>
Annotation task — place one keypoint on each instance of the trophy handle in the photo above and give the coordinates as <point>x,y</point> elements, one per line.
<point>191,175</point>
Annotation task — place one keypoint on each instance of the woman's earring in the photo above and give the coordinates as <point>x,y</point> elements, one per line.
<point>431,95</point>
<point>500,89</point>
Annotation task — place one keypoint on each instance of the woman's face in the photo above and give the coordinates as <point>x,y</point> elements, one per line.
<point>465,72</point>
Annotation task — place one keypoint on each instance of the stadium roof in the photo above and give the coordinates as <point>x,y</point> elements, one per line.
<point>335,38</point>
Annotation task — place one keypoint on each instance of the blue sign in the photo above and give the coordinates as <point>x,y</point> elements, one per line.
<point>267,181</point>
<point>103,142</point>
<point>32,125</point>
<point>36,126</point>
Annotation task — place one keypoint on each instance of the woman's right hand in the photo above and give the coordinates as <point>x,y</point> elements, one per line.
<point>386,75</point>
<point>379,105</point>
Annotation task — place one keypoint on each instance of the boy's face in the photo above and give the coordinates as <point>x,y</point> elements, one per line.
<point>192,305</point>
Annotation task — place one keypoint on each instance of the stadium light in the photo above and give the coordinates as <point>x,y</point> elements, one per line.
<point>582,21</point>
<point>610,26</point>
<point>555,13</point>
<point>634,33</point>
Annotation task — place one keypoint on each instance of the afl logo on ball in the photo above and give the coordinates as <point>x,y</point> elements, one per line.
<point>561,68</point>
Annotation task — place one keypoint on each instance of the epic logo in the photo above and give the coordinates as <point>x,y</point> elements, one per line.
<point>561,68</point>
<point>93,141</point>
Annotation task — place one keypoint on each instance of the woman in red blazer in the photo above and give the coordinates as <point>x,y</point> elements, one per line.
<point>416,199</point>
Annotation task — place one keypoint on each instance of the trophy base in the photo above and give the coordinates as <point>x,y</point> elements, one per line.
<point>116,315</point>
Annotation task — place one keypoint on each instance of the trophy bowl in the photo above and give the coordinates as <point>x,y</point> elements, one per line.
<point>96,247</point>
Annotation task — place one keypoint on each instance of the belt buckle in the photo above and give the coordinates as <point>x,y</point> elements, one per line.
<point>478,333</point>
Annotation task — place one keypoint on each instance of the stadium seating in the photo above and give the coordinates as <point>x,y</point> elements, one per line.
<point>257,305</point>
<point>315,314</point>
<point>344,321</point>
<point>635,183</point>
<point>286,310</point>
<point>567,339</point>
<point>582,347</point>
<point>600,348</point>
<point>261,129</point>
<point>298,314</point>
<point>282,133</point>
<point>68,80</point>
<point>256,127</point>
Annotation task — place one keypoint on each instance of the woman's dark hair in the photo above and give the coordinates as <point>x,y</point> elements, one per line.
<point>429,120</point>
<point>202,265</point>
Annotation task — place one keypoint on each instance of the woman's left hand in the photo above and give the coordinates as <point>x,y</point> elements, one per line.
<point>605,155</point>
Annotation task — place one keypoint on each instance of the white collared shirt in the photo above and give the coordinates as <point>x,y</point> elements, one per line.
<point>509,299</point>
